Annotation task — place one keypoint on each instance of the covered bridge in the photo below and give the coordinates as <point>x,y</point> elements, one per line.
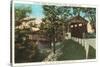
<point>77,26</point>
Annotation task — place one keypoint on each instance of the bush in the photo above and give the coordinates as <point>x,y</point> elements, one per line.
<point>25,52</point>
<point>90,35</point>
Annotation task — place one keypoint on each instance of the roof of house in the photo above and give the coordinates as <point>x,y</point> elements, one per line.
<point>27,19</point>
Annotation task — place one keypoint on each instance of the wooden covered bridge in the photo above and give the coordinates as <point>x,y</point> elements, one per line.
<point>77,26</point>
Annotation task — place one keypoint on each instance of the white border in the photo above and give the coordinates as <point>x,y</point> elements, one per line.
<point>46,3</point>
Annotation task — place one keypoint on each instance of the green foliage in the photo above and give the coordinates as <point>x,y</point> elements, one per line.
<point>25,52</point>
<point>89,13</point>
<point>57,17</point>
<point>25,49</point>
<point>21,12</point>
<point>54,16</point>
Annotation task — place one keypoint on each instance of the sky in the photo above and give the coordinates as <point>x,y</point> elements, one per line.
<point>37,10</point>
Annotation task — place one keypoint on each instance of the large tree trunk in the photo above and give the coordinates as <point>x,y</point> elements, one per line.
<point>63,27</point>
<point>53,45</point>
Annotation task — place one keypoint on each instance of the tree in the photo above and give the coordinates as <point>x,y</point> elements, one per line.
<point>21,12</point>
<point>50,14</point>
<point>89,13</point>
<point>64,14</point>
<point>56,16</point>
<point>25,49</point>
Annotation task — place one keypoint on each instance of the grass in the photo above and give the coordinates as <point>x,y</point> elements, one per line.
<point>72,51</point>
<point>92,53</point>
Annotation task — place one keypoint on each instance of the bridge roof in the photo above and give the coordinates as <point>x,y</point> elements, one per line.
<point>77,19</point>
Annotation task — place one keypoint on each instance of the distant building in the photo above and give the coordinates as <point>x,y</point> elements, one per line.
<point>40,39</point>
<point>35,35</point>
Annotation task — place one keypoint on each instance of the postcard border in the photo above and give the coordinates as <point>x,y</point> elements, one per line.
<point>53,62</point>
